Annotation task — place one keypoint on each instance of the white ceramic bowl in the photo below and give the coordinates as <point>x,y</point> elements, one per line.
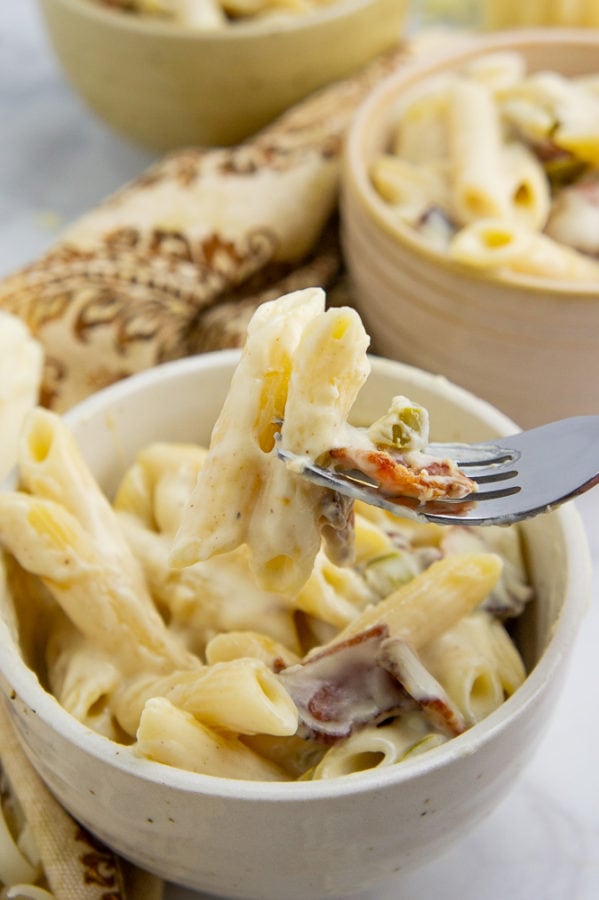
<point>165,86</point>
<point>527,346</point>
<point>312,839</point>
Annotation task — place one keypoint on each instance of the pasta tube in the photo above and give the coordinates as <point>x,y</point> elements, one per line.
<point>242,696</point>
<point>498,71</point>
<point>95,592</point>
<point>285,530</point>
<point>375,747</point>
<point>422,133</point>
<point>243,492</point>
<point>15,867</point>
<point>51,467</point>
<point>476,663</point>
<point>434,600</point>
<point>219,512</point>
<point>83,678</point>
<point>333,594</point>
<point>410,188</point>
<point>478,184</point>
<point>548,259</point>
<point>493,244</point>
<point>530,197</point>
<point>172,736</point>
<point>156,487</point>
<point>239,644</point>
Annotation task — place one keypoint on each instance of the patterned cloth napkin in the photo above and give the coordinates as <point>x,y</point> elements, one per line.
<point>174,264</point>
<point>76,865</point>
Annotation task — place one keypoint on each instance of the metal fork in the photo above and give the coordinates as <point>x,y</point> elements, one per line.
<point>518,477</point>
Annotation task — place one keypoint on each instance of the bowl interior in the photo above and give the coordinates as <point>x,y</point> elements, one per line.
<point>258,24</point>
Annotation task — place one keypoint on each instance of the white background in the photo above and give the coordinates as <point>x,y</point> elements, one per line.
<point>542,843</point>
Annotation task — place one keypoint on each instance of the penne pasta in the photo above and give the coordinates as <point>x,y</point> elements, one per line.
<point>51,468</point>
<point>409,187</point>
<point>157,487</point>
<point>175,737</point>
<point>478,184</point>
<point>422,132</point>
<point>92,588</point>
<point>433,601</point>
<point>333,594</point>
<point>508,662</point>
<point>529,194</point>
<point>465,669</point>
<point>242,696</point>
<point>218,515</point>
<point>232,645</point>
<point>377,747</point>
<point>512,591</point>
<point>477,665</point>
<point>287,510</point>
<point>513,189</point>
<point>574,219</point>
<point>15,866</point>
<point>545,258</point>
<point>83,677</point>
<point>499,71</point>
<point>492,244</point>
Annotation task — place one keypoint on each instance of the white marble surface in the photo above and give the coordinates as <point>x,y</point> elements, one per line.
<point>542,843</point>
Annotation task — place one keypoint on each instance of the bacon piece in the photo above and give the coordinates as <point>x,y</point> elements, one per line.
<point>414,475</point>
<point>399,658</point>
<point>337,527</point>
<point>343,686</point>
<point>365,679</point>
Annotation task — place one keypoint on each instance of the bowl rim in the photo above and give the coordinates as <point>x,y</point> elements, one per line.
<point>24,687</point>
<point>356,182</point>
<point>244,30</point>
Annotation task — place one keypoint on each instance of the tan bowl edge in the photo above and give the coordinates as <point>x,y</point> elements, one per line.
<point>242,29</point>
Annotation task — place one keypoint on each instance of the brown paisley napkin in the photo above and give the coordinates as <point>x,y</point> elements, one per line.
<point>75,864</point>
<point>176,262</point>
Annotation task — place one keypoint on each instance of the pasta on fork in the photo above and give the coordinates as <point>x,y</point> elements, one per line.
<point>226,616</point>
<point>300,373</point>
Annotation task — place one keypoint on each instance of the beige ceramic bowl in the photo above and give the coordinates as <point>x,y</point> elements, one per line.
<point>529,347</point>
<point>311,839</point>
<point>166,87</point>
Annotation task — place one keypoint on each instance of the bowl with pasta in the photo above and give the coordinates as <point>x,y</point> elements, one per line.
<point>174,73</point>
<point>233,677</point>
<point>470,218</point>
